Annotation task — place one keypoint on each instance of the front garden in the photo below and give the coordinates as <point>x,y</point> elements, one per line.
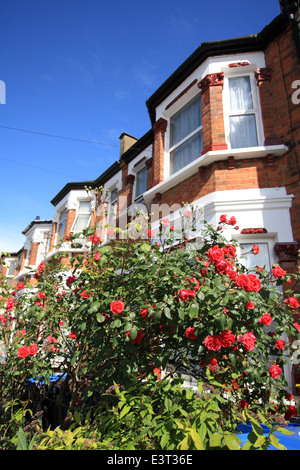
<point>139,345</point>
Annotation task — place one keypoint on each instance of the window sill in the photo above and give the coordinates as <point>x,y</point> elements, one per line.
<point>208,158</point>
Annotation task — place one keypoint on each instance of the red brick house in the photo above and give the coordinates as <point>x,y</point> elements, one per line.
<point>224,135</point>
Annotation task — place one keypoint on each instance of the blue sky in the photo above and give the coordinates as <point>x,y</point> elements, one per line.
<point>83,69</point>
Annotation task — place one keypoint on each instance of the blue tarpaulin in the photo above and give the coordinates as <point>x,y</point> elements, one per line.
<point>41,381</point>
<point>291,442</point>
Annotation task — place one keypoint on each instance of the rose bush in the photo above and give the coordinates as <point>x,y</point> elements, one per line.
<point>123,310</point>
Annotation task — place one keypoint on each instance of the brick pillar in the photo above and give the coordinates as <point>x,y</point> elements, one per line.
<point>33,253</point>
<point>211,88</point>
<point>263,77</point>
<point>70,218</point>
<point>160,128</point>
<point>53,236</point>
<point>149,166</point>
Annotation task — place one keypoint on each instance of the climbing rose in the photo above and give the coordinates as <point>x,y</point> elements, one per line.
<point>243,404</point>
<point>185,294</point>
<point>249,305</point>
<point>23,352</point>
<point>223,218</point>
<point>265,319</point>
<point>215,254</point>
<point>248,340</point>
<point>255,249</point>
<point>248,282</point>
<point>278,271</point>
<point>292,302</point>
<point>20,286</point>
<point>190,333</point>
<point>187,213</point>
<point>33,349</point>
<point>70,279</point>
<point>151,233</point>
<point>212,343</point>
<point>275,371</point>
<point>94,239</point>
<point>279,344</point>
<point>297,326</point>
<point>226,338</point>
<point>73,335</point>
<point>110,232</point>
<point>137,339</point>
<point>10,303</point>
<point>144,313</point>
<point>97,256</point>
<point>232,220</point>
<point>117,306</point>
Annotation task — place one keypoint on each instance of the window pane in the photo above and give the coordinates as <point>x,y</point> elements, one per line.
<point>243,131</point>
<point>141,181</point>
<point>240,94</point>
<point>186,121</point>
<point>114,195</point>
<point>186,153</point>
<point>250,261</point>
<point>84,206</point>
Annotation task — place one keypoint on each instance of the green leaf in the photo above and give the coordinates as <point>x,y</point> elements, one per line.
<point>146,247</point>
<point>232,441</point>
<point>275,442</point>
<point>22,440</point>
<point>124,411</point>
<point>167,313</point>
<point>100,318</point>
<point>197,439</point>
<point>215,439</point>
<point>194,310</point>
<point>133,332</point>
<point>94,308</point>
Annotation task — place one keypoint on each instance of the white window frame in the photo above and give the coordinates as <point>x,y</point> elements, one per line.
<point>139,197</point>
<point>199,129</point>
<point>62,222</point>
<point>256,239</point>
<point>246,71</point>
<point>81,240</point>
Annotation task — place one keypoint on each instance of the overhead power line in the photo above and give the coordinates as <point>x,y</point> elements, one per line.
<point>58,136</point>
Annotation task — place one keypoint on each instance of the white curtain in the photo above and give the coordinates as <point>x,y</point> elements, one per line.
<point>242,123</point>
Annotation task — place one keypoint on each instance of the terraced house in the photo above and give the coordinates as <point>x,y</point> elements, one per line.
<point>224,135</point>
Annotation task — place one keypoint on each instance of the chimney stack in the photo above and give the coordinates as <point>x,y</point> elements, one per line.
<point>126,141</point>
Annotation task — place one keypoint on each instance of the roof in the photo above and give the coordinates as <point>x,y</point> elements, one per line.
<point>249,43</point>
<point>36,222</point>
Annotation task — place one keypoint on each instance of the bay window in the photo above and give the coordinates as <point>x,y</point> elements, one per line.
<point>82,222</point>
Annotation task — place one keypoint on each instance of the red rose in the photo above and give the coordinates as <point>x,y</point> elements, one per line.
<point>243,404</point>
<point>279,344</point>
<point>84,294</point>
<point>33,349</point>
<point>97,256</point>
<point>248,282</point>
<point>212,343</point>
<point>10,303</point>
<point>226,338</point>
<point>73,335</point>
<point>185,294</point>
<point>265,319</point>
<point>117,306</point>
<point>223,218</point>
<point>23,352</point>
<point>278,271</point>
<point>20,286</point>
<point>94,239</point>
<point>232,220</point>
<point>151,233</point>
<point>291,411</point>
<point>41,295</point>
<point>250,305</point>
<point>190,333</point>
<point>248,340</point>
<point>144,313</point>
<point>138,338</point>
<point>255,249</point>
<point>297,326</point>
<point>292,302</point>
<point>215,254</point>
<point>187,213</point>
<point>275,371</point>
<point>70,279</point>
